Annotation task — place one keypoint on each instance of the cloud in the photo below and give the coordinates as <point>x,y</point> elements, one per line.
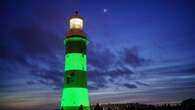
<point>100,57</point>
<point>31,82</point>
<point>9,54</point>
<point>102,79</point>
<point>49,78</point>
<point>104,67</point>
<point>171,70</point>
<point>120,71</point>
<point>130,86</point>
<point>97,78</point>
<point>142,84</point>
<point>4,52</point>
<point>23,42</point>
<point>35,40</point>
<point>92,87</point>
<point>96,86</point>
<point>131,56</point>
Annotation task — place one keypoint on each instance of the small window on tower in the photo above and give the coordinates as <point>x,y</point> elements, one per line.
<point>67,80</point>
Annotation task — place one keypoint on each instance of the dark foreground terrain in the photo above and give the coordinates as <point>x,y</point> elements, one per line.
<point>188,104</point>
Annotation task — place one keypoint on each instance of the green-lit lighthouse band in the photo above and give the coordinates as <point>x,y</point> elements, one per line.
<point>75,38</point>
<point>75,97</point>
<point>75,61</point>
<point>75,78</point>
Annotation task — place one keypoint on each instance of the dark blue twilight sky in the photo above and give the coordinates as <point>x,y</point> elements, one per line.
<point>139,51</point>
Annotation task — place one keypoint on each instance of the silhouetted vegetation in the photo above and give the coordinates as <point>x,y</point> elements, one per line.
<point>188,104</point>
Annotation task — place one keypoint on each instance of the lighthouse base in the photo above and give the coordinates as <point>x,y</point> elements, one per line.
<point>75,108</point>
<point>73,98</point>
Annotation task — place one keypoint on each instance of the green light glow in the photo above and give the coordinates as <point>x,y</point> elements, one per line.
<point>75,97</point>
<point>75,39</point>
<point>75,61</point>
<point>75,78</point>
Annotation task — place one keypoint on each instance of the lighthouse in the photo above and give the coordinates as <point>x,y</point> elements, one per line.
<point>75,90</point>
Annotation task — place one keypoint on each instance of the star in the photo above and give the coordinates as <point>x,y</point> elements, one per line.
<point>105,10</point>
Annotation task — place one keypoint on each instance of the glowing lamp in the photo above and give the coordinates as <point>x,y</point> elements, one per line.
<point>76,23</point>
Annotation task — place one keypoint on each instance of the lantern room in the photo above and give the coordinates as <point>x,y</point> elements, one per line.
<point>76,22</point>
